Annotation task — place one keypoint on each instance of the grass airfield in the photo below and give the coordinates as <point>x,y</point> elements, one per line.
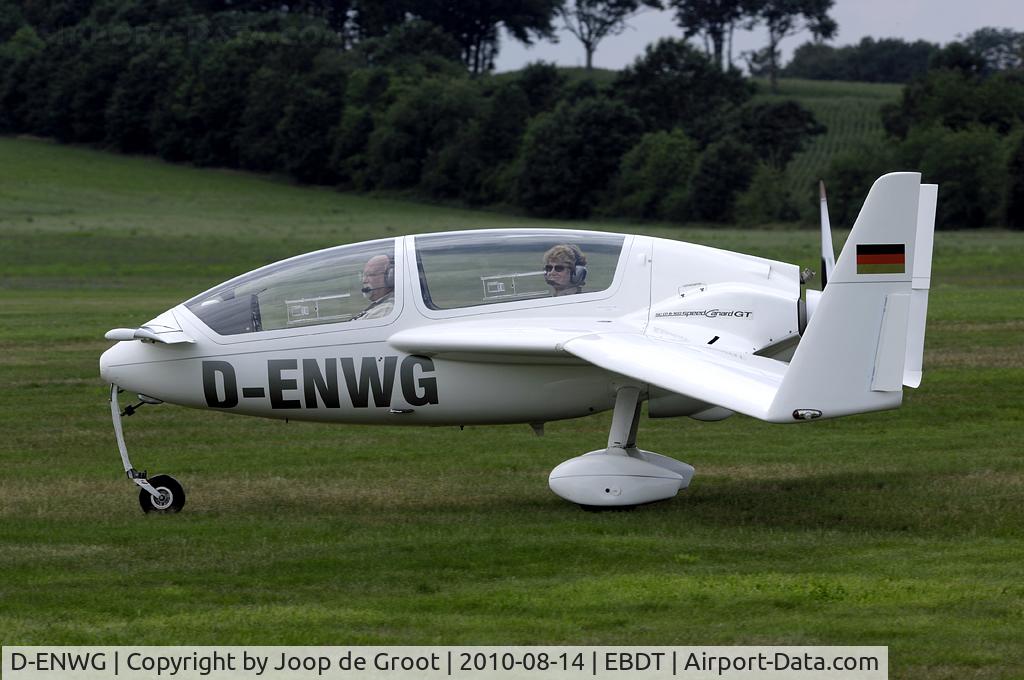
<point>903,528</point>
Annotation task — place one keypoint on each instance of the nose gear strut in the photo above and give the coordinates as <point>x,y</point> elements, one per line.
<point>162,493</point>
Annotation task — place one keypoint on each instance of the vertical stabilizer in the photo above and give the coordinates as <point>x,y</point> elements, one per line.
<point>852,355</point>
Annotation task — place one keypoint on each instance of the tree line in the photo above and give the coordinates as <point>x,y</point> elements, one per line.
<point>399,109</point>
<point>892,60</point>
<point>377,97</point>
<point>962,125</point>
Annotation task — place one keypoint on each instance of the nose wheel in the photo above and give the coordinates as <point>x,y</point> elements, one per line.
<point>161,493</point>
<point>171,496</point>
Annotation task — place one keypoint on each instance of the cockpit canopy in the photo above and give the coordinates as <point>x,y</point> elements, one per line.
<point>468,269</point>
<point>455,270</point>
<point>318,288</point>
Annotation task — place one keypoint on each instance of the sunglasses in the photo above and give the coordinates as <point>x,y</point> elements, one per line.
<point>556,267</point>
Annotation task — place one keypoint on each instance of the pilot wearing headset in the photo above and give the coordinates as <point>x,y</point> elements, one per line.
<point>378,287</point>
<point>565,269</point>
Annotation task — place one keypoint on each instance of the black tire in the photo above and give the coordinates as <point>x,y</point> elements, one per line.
<point>173,496</point>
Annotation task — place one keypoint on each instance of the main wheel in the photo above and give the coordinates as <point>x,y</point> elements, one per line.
<point>172,496</point>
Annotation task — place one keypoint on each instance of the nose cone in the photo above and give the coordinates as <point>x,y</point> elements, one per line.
<point>162,362</point>
<point>131,364</point>
<point>114,359</point>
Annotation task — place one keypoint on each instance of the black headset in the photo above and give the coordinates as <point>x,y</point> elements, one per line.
<point>389,275</point>
<point>578,275</point>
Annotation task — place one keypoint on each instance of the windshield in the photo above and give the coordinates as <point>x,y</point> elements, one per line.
<point>337,285</point>
<point>468,269</point>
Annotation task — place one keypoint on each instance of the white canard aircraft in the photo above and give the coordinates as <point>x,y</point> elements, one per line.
<point>462,328</point>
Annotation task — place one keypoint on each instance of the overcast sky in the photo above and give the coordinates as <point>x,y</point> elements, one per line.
<point>938,21</point>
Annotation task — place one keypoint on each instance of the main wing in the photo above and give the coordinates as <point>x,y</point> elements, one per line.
<point>739,382</point>
<point>465,340</point>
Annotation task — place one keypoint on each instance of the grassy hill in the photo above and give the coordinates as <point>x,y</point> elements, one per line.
<point>898,528</point>
<point>850,111</point>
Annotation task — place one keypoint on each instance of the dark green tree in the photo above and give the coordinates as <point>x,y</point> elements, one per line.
<point>303,134</point>
<point>724,171</point>
<point>969,166</point>
<point>817,61</point>
<point>215,98</point>
<point>715,21</point>
<point>374,18</point>
<point>783,18</point>
<point>673,85</point>
<point>70,81</point>
<point>271,87</point>
<point>99,66</point>
<point>138,92</point>
<point>422,117</point>
<point>476,165</point>
<point>153,15</point>
<point>11,19</point>
<point>17,57</point>
<point>368,92</point>
<point>501,133</point>
<point>850,174</point>
<point>1001,49</point>
<point>51,17</point>
<point>349,141</point>
<point>30,82</point>
<point>311,112</point>
<point>413,44</point>
<point>543,85</point>
<point>958,99</point>
<point>654,176</point>
<point>767,199</point>
<point>956,56</point>
<point>476,24</point>
<point>1015,186</point>
<point>337,14</point>
<point>571,154</point>
<point>776,130</point>
<point>888,60</point>
<point>591,21</point>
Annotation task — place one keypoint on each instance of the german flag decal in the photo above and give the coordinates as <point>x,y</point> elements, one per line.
<point>881,258</point>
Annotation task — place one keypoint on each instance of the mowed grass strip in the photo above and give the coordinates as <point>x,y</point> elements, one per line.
<point>900,528</point>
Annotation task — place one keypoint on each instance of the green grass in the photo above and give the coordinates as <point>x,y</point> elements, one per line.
<point>900,528</point>
<point>850,111</point>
